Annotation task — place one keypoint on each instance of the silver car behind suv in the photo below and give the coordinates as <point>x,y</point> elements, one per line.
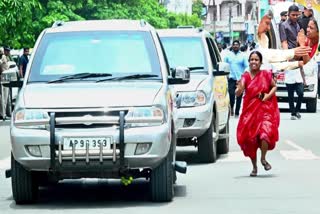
<point>202,105</point>
<point>95,102</point>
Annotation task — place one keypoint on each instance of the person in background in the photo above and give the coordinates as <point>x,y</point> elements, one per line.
<point>4,65</point>
<point>304,18</point>
<point>23,61</point>
<point>311,40</point>
<point>294,79</point>
<point>5,59</point>
<point>278,58</point>
<point>283,17</point>
<point>260,118</point>
<point>238,63</point>
<point>224,52</point>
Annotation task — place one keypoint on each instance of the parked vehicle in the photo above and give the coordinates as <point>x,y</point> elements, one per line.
<point>103,113</point>
<point>202,105</point>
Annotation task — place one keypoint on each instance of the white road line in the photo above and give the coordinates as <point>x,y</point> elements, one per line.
<point>5,163</point>
<point>299,154</point>
<point>290,143</point>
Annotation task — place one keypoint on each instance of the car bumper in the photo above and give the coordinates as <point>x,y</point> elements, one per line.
<point>159,140</point>
<point>282,94</point>
<point>193,121</point>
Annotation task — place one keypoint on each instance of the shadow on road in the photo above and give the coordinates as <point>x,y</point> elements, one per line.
<point>96,193</point>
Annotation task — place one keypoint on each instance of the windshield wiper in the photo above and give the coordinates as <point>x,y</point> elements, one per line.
<point>80,76</point>
<point>195,68</point>
<point>134,76</point>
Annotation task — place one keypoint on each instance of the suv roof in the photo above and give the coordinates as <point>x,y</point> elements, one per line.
<point>97,25</point>
<point>183,32</point>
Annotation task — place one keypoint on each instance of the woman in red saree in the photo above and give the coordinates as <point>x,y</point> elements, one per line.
<point>259,121</point>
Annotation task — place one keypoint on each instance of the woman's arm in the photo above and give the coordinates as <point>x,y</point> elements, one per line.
<point>240,87</point>
<point>273,90</point>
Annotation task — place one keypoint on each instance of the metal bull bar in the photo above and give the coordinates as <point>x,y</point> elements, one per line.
<point>87,153</point>
<point>74,154</point>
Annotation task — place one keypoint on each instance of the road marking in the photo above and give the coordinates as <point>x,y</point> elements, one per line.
<point>290,143</point>
<point>5,163</point>
<point>299,154</point>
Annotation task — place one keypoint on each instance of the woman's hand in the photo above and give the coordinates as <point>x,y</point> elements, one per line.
<point>240,88</point>
<point>266,97</point>
<point>301,38</point>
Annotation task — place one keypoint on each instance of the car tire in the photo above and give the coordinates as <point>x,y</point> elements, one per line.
<point>162,179</point>
<point>207,145</point>
<point>24,185</point>
<point>223,144</point>
<point>312,105</point>
<point>9,106</point>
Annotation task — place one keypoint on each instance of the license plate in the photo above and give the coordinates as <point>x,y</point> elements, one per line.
<point>80,143</point>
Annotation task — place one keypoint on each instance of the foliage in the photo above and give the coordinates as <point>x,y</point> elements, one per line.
<point>197,8</point>
<point>22,21</point>
<point>16,21</point>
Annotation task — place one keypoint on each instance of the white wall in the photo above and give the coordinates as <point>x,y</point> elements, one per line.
<point>180,6</point>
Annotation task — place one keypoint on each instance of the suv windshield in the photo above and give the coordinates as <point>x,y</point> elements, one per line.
<point>182,51</point>
<point>114,53</point>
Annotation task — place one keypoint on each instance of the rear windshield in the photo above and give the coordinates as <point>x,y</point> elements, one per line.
<point>182,51</point>
<point>115,52</point>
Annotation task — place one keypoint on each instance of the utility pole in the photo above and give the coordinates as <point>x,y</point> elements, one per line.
<point>214,22</point>
<point>230,23</point>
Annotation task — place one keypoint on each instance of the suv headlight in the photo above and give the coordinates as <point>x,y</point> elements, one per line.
<point>145,116</point>
<point>31,119</point>
<point>190,99</point>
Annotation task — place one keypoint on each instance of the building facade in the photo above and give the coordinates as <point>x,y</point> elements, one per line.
<point>178,6</point>
<point>232,19</point>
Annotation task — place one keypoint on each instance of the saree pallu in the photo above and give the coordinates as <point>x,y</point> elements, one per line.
<point>259,119</point>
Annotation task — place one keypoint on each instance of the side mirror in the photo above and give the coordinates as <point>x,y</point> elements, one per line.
<point>179,75</point>
<point>223,69</point>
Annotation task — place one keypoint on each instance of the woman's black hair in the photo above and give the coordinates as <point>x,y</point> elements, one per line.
<point>315,23</point>
<point>256,52</point>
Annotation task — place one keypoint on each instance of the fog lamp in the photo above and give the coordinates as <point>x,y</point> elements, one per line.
<point>142,148</point>
<point>34,150</point>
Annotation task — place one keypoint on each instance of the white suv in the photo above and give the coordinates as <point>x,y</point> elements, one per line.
<point>202,105</point>
<point>96,102</point>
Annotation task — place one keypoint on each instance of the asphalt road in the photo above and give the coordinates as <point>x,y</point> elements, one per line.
<point>292,186</point>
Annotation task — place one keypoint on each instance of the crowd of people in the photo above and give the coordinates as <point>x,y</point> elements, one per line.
<point>21,62</point>
<point>251,77</point>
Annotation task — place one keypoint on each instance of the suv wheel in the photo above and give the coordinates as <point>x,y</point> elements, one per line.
<point>207,145</point>
<point>24,185</point>
<point>9,106</point>
<point>162,179</point>
<point>312,105</point>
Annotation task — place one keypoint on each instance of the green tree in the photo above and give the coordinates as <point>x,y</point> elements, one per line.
<point>23,20</point>
<point>197,8</point>
<point>16,22</point>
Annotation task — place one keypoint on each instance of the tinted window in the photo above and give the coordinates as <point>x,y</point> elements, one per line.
<point>183,51</point>
<point>119,53</point>
<point>212,54</point>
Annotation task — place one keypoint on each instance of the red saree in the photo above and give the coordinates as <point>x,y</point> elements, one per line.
<point>258,120</point>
